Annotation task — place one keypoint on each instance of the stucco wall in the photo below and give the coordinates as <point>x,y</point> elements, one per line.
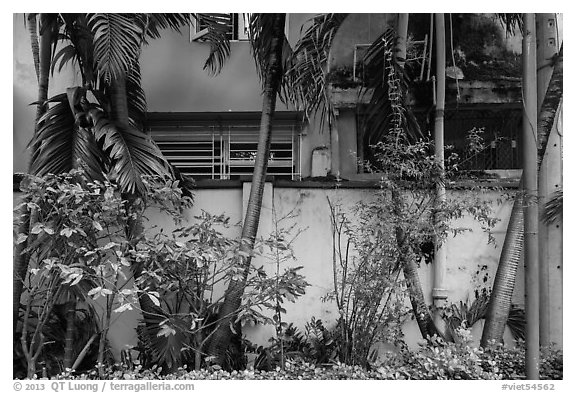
<point>467,253</point>
<point>470,257</point>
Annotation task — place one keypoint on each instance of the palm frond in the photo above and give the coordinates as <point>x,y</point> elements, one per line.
<point>216,35</point>
<point>80,48</point>
<point>136,97</point>
<point>133,153</point>
<point>305,77</point>
<point>117,42</point>
<point>159,22</point>
<point>387,110</point>
<point>166,348</point>
<point>553,208</point>
<point>61,143</point>
<point>511,22</point>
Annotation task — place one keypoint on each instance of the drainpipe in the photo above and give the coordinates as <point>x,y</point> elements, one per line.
<point>546,47</point>
<point>402,31</point>
<point>335,146</point>
<point>439,293</point>
<point>530,176</point>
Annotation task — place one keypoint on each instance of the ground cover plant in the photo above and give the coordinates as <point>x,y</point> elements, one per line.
<point>439,361</point>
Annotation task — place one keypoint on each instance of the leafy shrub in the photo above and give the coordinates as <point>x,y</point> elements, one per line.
<point>510,362</point>
<point>444,361</point>
<point>79,251</point>
<point>187,268</point>
<point>315,346</point>
<point>437,360</point>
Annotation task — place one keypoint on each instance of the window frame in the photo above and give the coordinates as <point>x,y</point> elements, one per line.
<point>241,33</point>
<point>218,136</point>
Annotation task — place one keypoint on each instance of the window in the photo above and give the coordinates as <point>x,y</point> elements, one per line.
<point>223,145</point>
<point>501,124</point>
<point>237,25</point>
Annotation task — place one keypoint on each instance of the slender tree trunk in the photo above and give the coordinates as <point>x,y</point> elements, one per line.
<point>438,291</point>
<point>505,279</point>
<point>70,313</point>
<point>41,54</point>
<point>546,51</point>
<point>35,46</point>
<point>233,296</point>
<point>409,267</point>
<point>501,297</point>
<point>530,175</point>
<point>135,228</point>
<point>410,270</point>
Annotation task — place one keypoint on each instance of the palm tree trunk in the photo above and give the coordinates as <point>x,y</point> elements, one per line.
<point>530,177</point>
<point>410,271</point>
<point>233,295</point>
<point>438,291</point>
<point>134,228</point>
<point>41,53</point>
<point>35,46</point>
<point>546,33</point>
<point>409,268</point>
<point>70,313</point>
<point>501,297</point>
<point>505,279</point>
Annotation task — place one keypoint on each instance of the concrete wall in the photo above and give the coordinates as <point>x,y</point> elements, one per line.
<point>470,258</point>
<point>467,254</point>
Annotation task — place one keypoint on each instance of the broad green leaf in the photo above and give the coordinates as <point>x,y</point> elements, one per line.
<point>97,225</point>
<point>94,291</point>
<point>124,307</point>
<point>109,246</point>
<point>154,298</point>
<point>66,232</point>
<point>37,228</point>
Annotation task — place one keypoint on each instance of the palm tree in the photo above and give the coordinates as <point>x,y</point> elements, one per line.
<point>267,38</point>
<point>97,124</point>
<point>504,281</point>
<point>386,112</point>
<point>41,53</point>
<point>305,86</point>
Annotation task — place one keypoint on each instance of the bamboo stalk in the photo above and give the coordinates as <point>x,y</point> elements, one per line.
<point>530,175</point>
<point>438,291</point>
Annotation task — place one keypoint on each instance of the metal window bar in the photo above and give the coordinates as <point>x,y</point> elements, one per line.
<point>197,150</point>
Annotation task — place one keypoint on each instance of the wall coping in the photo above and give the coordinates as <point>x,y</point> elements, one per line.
<point>325,183</point>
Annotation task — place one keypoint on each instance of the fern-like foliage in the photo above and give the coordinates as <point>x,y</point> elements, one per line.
<point>132,153</point>
<point>63,142</point>
<point>117,42</point>
<point>387,110</point>
<point>553,208</point>
<point>305,76</point>
<point>216,35</point>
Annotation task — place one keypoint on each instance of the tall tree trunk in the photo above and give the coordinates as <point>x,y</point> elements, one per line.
<point>438,291</point>
<point>21,260</point>
<point>134,229</point>
<point>34,45</point>
<point>501,297</point>
<point>505,278</point>
<point>70,313</point>
<point>410,271</point>
<point>546,52</point>
<point>530,177</point>
<point>409,267</point>
<point>233,295</point>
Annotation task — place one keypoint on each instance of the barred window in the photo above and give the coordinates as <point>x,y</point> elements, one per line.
<point>223,145</point>
<point>236,23</point>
